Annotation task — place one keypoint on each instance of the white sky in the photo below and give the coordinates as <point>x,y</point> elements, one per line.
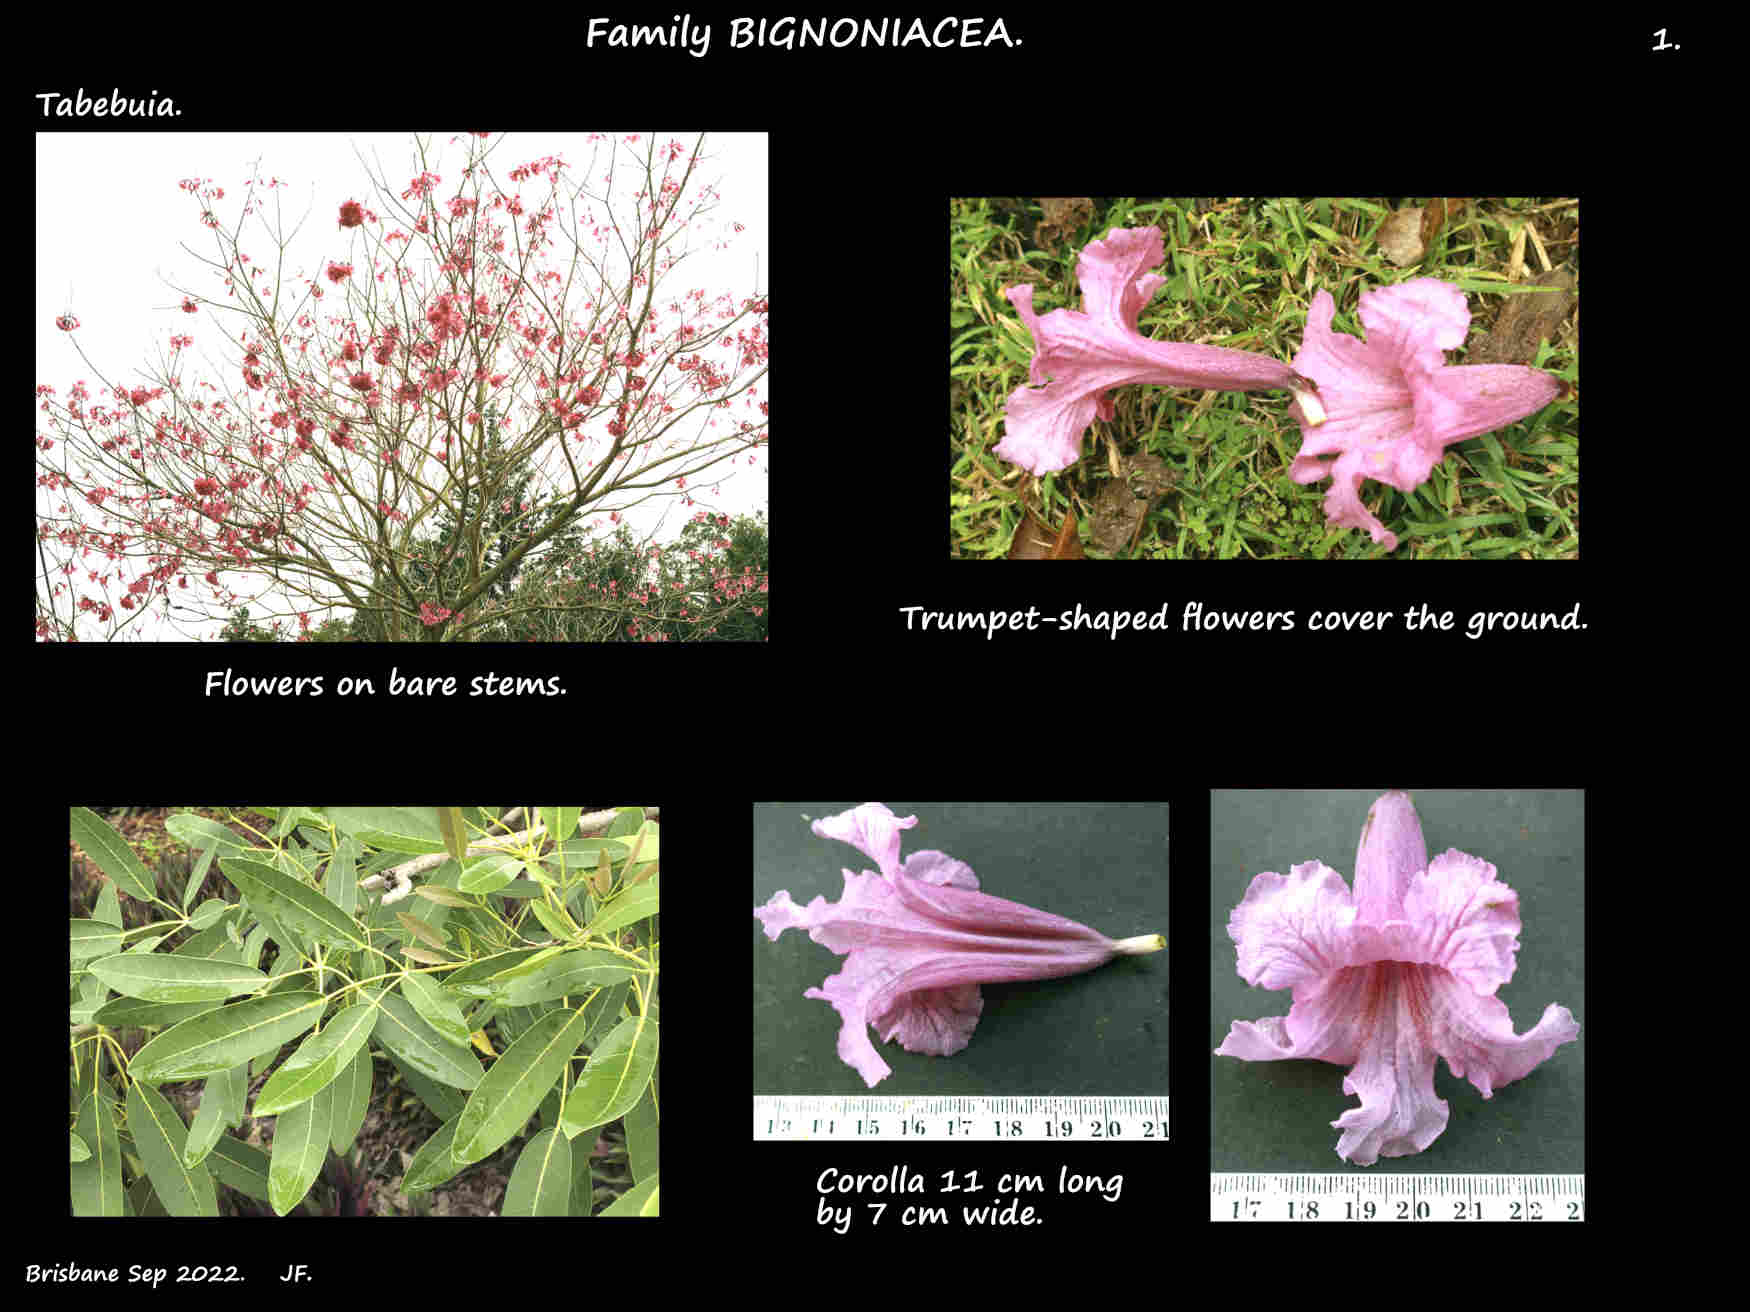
<point>112,224</point>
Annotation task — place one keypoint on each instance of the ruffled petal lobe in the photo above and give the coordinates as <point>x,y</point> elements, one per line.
<point>1079,355</point>
<point>1390,406</point>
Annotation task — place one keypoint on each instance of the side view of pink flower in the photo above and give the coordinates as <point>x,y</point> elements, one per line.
<point>921,939</point>
<point>1079,355</point>
<point>1390,406</point>
<point>1388,978</point>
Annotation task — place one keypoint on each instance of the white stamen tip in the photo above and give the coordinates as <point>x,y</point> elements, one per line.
<point>1135,947</point>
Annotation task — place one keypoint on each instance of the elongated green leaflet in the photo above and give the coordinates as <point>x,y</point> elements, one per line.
<point>633,905</point>
<point>571,974</point>
<point>300,1142</point>
<point>401,1030</point>
<point>209,1121</point>
<point>352,1099</point>
<point>292,902</point>
<point>158,1134</point>
<point>97,1183</point>
<point>131,1013</point>
<point>433,1164</point>
<point>319,1059</point>
<point>435,1008</point>
<point>560,820</point>
<point>517,1082</point>
<point>113,856</point>
<point>453,830</point>
<point>615,1078</point>
<point>642,1199</point>
<point>554,921</point>
<point>488,872</point>
<point>391,828</point>
<point>341,882</point>
<point>165,978</point>
<point>93,938</point>
<point>225,1037</point>
<point>240,1165</point>
<point>643,1136</point>
<point>541,1183</point>
<point>199,832</point>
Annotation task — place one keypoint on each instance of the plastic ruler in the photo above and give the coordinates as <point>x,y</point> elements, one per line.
<point>1242,1197</point>
<point>1043,1120</point>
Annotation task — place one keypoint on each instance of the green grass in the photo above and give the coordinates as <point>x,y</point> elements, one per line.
<point>1241,274</point>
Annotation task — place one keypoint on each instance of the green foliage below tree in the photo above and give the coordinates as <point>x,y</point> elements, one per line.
<point>608,590</point>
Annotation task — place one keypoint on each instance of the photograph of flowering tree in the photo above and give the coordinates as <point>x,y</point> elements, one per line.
<point>477,392</point>
<point>1267,379</point>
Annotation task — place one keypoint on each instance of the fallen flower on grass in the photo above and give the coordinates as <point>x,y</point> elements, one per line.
<point>1079,355</point>
<point>921,939</point>
<point>1388,978</point>
<point>1390,406</point>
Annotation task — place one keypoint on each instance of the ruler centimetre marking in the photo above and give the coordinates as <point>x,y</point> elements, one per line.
<point>970,1120</point>
<point>1260,1197</point>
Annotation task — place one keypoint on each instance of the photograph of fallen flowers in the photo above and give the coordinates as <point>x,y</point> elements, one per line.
<point>1321,379</point>
<point>971,948</point>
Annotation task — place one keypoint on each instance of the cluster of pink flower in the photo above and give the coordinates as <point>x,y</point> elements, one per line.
<point>1385,409</point>
<point>445,319</point>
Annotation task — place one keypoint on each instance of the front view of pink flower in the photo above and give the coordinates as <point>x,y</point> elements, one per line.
<point>1387,978</point>
<point>921,939</point>
<point>1388,408</point>
<point>1079,355</point>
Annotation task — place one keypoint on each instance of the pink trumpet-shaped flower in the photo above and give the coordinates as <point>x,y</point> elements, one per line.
<point>1085,353</point>
<point>1387,978</point>
<point>921,939</point>
<point>1388,408</point>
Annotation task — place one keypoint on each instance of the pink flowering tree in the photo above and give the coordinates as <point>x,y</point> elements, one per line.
<point>341,417</point>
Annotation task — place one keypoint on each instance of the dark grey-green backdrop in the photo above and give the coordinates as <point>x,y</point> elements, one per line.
<point>1103,1032</point>
<point>1275,1116</point>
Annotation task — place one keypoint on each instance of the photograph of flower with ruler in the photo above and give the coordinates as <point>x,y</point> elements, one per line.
<point>988,949</point>
<point>1462,913</point>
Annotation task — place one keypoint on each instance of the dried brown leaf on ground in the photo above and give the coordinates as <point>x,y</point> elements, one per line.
<point>1527,320</point>
<point>1035,541</point>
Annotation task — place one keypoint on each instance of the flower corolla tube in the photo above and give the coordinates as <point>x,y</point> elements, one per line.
<point>1388,408</point>
<point>921,939</point>
<point>1080,355</point>
<point>1387,978</point>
